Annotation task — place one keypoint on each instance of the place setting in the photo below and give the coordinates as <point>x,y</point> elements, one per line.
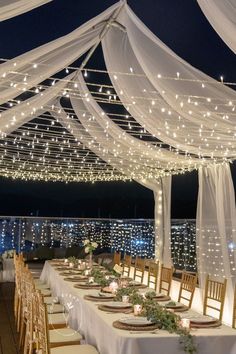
<point>116,306</point>
<point>136,324</point>
<point>76,278</point>
<point>99,297</point>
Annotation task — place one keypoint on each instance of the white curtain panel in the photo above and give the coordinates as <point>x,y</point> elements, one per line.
<point>216,227</point>
<point>174,101</point>
<point>35,66</point>
<point>222,14</point>
<point>12,8</point>
<point>161,187</point>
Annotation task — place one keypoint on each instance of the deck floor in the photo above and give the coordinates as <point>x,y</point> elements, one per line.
<point>8,335</point>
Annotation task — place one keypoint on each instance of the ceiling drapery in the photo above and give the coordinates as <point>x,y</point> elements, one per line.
<point>12,8</point>
<point>221,15</point>
<point>178,118</point>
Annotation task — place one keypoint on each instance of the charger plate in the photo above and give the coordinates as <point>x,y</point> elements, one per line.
<point>97,298</point>
<point>115,310</point>
<point>128,327</point>
<point>76,278</point>
<point>87,286</point>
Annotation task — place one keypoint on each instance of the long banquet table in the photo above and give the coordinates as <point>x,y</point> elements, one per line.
<point>96,326</point>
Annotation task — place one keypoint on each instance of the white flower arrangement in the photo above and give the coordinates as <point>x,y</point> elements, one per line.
<point>8,254</point>
<point>89,246</point>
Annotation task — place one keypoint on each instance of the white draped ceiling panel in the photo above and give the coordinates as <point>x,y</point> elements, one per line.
<point>29,109</point>
<point>221,15</point>
<point>177,100</point>
<point>12,8</point>
<point>29,69</point>
<point>216,227</point>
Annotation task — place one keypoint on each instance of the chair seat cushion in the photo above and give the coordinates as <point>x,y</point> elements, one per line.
<point>45,292</point>
<point>51,300</point>
<point>64,335</point>
<point>41,286</point>
<point>57,318</point>
<point>75,349</point>
<point>55,308</point>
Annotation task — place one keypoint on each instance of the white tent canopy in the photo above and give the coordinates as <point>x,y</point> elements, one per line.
<point>164,117</point>
<point>221,15</point>
<point>12,8</point>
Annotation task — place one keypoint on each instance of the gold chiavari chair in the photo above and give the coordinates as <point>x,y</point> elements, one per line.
<point>153,269</point>
<point>214,297</point>
<point>127,265</point>
<point>165,280</point>
<point>234,310</point>
<point>139,269</point>
<point>42,341</point>
<point>117,258</point>
<point>187,288</point>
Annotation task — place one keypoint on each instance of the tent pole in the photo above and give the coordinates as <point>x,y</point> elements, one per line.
<point>102,34</point>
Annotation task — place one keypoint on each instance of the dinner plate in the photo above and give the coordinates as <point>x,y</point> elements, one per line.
<point>135,321</point>
<point>118,304</point>
<point>202,319</point>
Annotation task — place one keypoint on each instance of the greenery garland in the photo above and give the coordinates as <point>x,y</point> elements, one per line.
<point>165,319</point>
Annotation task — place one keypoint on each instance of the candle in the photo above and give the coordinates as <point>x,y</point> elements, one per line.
<point>91,280</point>
<point>185,322</point>
<point>86,272</point>
<point>107,277</point>
<point>113,286</point>
<point>66,260</point>
<point>71,265</point>
<point>137,309</point>
<point>125,299</point>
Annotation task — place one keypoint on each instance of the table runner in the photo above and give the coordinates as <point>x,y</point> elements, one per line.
<point>96,326</point>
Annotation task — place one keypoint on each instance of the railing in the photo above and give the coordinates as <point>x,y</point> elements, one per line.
<point>134,236</point>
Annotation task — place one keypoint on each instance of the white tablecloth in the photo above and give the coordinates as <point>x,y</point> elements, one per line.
<point>96,326</point>
<point>8,274</point>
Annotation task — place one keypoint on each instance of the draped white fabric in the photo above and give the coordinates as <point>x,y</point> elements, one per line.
<point>29,109</point>
<point>31,68</point>
<point>221,15</point>
<point>12,8</point>
<point>179,104</point>
<point>216,226</point>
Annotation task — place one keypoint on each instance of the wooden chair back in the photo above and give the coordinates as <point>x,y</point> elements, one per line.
<point>117,258</point>
<point>165,280</point>
<point>214,297</point>
<point>42,342</point>
<point>127,265</point>
<point>139,269</point>
<point>234,310</point>
<point>153,269</point>
<point>187,288</point>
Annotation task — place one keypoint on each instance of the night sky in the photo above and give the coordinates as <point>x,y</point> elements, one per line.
<point>178,23</point>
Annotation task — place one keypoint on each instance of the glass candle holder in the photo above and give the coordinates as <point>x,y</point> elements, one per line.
<point>71,265</point>
<point>113,286</point>
<point>125,299</point>
<point>137,309</point>
<point>65,260</point>
<point>91,280</point>
<point>185,322</point>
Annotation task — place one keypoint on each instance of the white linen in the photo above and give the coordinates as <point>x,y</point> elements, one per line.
<point>222,15</point>
<point>44,61</point>
<point>98,331</point>
<point>12,8</point>
<point>27,110</point>
<point>8,270</point>
<point>173,100</point>
<point>216,228</point>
